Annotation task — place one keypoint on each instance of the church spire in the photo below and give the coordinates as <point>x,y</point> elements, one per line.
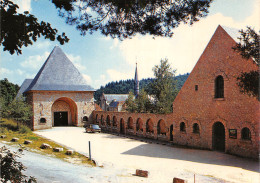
<point>136,89</point>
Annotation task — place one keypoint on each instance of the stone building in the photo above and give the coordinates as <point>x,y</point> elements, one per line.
<point>209,112</point>
<point>59,94</point>
<point>113,102</point>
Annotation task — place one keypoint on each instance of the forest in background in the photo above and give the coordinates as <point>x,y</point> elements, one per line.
<point>125,86</point>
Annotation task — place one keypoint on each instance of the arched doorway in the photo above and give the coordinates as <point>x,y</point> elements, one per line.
<point>64,112</point>
<point>122,126</point>
<point>171,133</point>
<point>218,137</point>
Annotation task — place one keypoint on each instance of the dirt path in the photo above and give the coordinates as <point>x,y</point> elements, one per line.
<point>163,162</point>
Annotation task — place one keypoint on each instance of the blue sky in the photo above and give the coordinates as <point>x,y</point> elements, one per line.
<point>102,59</point>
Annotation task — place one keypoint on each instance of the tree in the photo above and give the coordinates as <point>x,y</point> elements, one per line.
<point>11,169</point>
<point>130,103</point>
<point>163,87</point>
<point>22,29</point>
<point>19,110</point>
<point>143,103</point>
<point>123,19</point>
<point>8,91</point>
<point>248,47</point>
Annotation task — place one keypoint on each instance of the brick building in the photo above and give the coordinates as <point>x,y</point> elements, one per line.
<point>209,112</point>
<point>58,94</point>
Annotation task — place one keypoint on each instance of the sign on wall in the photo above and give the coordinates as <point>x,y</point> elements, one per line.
<point>233,133</point>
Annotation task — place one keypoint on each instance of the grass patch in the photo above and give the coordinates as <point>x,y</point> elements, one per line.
<point>24,134</point>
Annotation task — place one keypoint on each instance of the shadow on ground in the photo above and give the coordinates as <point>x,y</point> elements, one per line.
<point>194,155</point>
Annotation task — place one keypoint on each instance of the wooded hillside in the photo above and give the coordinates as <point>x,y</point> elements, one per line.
<point>125,86</point>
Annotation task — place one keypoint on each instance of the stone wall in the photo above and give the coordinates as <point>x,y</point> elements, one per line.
<point>79,104</point>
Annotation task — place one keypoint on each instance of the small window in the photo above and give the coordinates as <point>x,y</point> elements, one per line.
<point>42,120</point>
<point>196,128</point>
<point>85,118</point>
<point>196,87</point>
<point>246,134</point>
<point>182,127</point>
<point>219,87</point>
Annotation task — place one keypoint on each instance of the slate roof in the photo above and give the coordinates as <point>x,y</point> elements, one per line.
<point>59,74</point>
<point>118,97</point>
<point>23,87</point>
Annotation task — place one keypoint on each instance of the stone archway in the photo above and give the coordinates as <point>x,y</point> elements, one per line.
<point>122,126</point>
<point>218,137</point>
<point>64,112</point>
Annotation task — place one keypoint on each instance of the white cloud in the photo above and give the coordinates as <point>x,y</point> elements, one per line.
<point>182,50</point>
<point>35,62</point>
<point>114,75</point>
<point>87,78</point>
<point>24,5</point>
<point>5,71</point>
<point>76,60</point>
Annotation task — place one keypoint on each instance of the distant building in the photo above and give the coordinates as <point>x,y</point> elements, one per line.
<point>59,94</point>
<point>116,102</point>
<point>113,102</point>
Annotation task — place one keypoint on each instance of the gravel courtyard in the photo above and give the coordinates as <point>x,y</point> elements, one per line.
<point>122,156</point>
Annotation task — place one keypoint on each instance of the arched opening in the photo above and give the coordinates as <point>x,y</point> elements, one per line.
<point>114,121</point>
<point>182,127</point>
<point>219,87</point>
<point>161,128</point>
<point>130,123</point>
<point>43,120</point>
<point>108,120</point>
<point>195,128</point>
<point>139,125</point>
<point>245,134</point>
<point>85,119</point>
<point>96,119</point>
<point>122,126</point>
<point>171,133</point>
<point>102,120</point>
<point>64,112</point>
<point>149,126</point>
<point>218,137</point>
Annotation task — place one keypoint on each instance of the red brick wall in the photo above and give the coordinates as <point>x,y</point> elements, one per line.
<point>234,111</point>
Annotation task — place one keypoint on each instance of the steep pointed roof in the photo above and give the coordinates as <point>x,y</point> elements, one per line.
<point>59,74</point>
<point>136,87</point>
<point>24,87</point>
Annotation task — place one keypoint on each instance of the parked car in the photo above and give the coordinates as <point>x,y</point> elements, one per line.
<point>92,128</point>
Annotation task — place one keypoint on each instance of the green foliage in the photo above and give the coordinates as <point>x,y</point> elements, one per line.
<point>163,87</point>
<point>11,169</point>
<point>125,86</point>
<point>130,103</point>
<point>124,19</point>
<point>143,103</point>
<point>19,111</point>
<point>248,83</point>
<point>8,91</point>
<point>248,47</point>
<point>7,125</point>
<point>22,29</point>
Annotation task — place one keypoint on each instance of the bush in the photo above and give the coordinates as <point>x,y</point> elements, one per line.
<point>11,168</point>
<point>24,129</point>
<point>13,126</point>
<point>10,125</point>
